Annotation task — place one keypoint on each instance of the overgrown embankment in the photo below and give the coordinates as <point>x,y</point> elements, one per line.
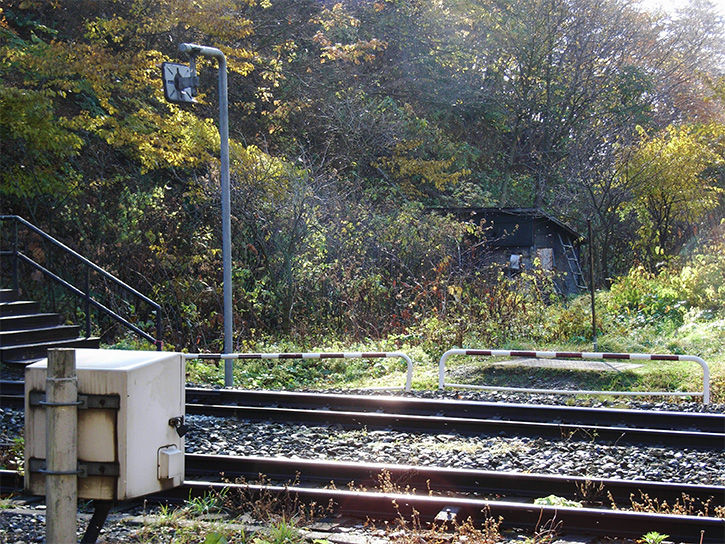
<point>680,309</point>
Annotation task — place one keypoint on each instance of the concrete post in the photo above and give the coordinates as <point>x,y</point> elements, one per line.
<point>61,439</point>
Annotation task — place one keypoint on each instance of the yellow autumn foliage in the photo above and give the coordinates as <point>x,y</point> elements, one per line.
<point>413,171</point>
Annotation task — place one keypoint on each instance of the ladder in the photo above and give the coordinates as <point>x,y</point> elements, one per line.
<point>574,267</point>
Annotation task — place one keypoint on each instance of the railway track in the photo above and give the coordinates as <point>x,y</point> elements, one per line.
<point>630,427</point>
<point>446,500</point>
<point>424,480</point>
<point>447,492</point>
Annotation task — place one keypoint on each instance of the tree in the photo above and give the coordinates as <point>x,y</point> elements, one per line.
<point>673,189</point>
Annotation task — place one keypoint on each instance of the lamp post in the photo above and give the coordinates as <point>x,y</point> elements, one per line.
<point>180,84</point>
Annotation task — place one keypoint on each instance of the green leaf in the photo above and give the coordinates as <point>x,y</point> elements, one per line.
<point>215,538</point>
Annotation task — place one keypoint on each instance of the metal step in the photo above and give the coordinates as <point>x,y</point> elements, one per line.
<point>8,295</point>
<point>19,307</point>
<point>23,362</point>
<point>28,321</point>
<point>44,334</point>
<point>23,354</point>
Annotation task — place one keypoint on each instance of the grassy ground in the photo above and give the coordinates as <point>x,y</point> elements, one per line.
<point>359,373</point>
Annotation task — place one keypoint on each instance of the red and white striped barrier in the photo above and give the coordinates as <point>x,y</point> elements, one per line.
<point>575,355</point>
<point>341,355</point>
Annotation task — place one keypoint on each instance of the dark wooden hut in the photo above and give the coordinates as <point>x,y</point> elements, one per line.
<point>515,237</point>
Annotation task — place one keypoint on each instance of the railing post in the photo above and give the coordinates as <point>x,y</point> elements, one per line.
<point>51,285</point>
<point>83,293</point>
<point>87,292</point>
<point>159,331</point>
<point>16,268</point>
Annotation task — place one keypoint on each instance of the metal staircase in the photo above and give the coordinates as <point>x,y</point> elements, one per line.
<point>26,333</point>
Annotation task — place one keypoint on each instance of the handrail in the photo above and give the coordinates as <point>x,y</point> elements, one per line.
<point>73,289</point>
<point>78,292</point>
<point>577,355</point>
<point>81,258</point>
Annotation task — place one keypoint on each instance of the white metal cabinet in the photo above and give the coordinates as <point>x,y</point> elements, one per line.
<point>128,451</point>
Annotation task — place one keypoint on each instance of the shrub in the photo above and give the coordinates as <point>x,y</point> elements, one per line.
<point>701,280</point>
<point>642,297</point>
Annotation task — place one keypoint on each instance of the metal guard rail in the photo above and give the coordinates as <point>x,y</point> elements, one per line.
<point>89,266</point>
<point>576,355</point>
<point>331,355</point>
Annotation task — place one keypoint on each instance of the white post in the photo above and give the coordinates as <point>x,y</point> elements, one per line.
<point>61,439</point>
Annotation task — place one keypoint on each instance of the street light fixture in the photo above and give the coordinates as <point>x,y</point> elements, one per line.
<point>180,84</point>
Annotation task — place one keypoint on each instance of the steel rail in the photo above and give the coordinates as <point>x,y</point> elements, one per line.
<point>467,426</point>
<point>11,393</point>
<point>389,506</point>
<point>424,479</point>
<point>12,387</point>
<point>11,481</point>
<point>463,425</point>
<point>11,401</point>
<point>705,422</point>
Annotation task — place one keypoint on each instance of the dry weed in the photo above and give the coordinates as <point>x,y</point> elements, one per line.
<point>591,493</point>
<point>413,531</point>
<point>265,506</point>
<point>684,506</point>
<point>546,532</point>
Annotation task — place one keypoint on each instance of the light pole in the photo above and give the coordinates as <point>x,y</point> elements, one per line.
<point>180,86</point>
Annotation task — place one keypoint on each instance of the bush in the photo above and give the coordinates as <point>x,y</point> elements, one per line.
<point>570,321</point>
<point>701,280</point>
<point>642,298</point>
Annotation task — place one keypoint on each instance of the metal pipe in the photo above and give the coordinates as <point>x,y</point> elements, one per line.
<point>61,480</point>
<point>87,289</point>
<point>159,331</point>
<point>578,391</point>
<point>331,355</point>
<point>591,283</point>
<point>16,272</point>
<point>577,355</point>
<point>194,50</point>
<point>93,302</point>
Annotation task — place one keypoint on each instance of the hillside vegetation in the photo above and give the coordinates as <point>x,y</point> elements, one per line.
<point>348,121</point>
<point>678,310</point>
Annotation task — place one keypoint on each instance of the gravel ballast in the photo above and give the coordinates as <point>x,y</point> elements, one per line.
<point>214,435</point>
<point>577,458</point>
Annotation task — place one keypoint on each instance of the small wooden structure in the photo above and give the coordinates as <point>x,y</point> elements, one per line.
<point>515,237</point>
